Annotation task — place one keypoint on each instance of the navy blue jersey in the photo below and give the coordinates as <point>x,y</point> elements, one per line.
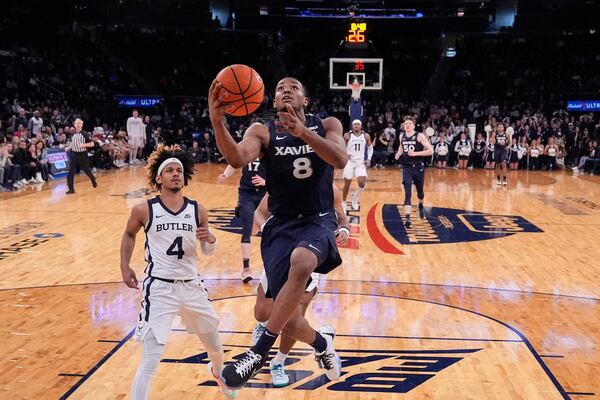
<point>410,143</point>
<point>501,140</point>
<point>249,171</point>
<point>299,182</point>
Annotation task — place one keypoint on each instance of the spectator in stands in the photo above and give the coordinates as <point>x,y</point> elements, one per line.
<point>35,123</point>
<point>207,147</point>
<point>30,169</point>
<point>41,154</point>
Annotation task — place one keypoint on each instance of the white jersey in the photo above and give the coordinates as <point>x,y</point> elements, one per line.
<point>356,147</point>
<point>135,127</point>
<point>171,240</point>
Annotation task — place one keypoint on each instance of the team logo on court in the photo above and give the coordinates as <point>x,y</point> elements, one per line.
<point>226,219</point>
<point>385,224</point>
<point>363,371</point>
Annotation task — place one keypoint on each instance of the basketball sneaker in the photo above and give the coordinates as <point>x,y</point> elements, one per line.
<point>232,394</point>
<point>329,360</point>
<point>421,211</point>
<point>498,182</point>
<point>278,376</point>
<point>246,275</point>
<point>407,223</point>
<point>505,182</point>
<point>259,329</point>
<point>236,375</point>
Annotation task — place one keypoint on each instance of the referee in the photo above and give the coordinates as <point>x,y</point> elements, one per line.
<point>79,156</point>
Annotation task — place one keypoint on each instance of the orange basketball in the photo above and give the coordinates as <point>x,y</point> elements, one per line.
<point>245,89</point>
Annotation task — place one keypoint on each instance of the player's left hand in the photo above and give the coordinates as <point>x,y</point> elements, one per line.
<point>341,236</point>
<point>411,153</point>
<point>258,181</point>
<point>203,234</point>
<point>289,122</point>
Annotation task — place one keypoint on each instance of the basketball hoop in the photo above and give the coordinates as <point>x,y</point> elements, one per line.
<point>356,89</point>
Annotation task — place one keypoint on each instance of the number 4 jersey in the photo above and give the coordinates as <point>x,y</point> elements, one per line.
<point>299,182</point>
<point>171,240</point>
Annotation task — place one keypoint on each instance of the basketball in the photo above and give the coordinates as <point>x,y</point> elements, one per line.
<point>245,89</point>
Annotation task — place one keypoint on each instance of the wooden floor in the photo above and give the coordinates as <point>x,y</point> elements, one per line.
<point>494,296</point>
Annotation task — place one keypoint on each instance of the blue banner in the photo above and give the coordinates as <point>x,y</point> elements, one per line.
<point>138,101</point>
<point>583,105</point>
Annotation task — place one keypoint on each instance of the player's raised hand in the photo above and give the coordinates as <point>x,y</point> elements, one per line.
<point>129,278</point>
<point>257,180</point>
<point>216,98</point>
<point>290,122</point>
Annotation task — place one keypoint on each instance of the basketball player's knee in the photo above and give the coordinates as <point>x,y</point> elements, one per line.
<point>303,262</point>
<point>262,309</point>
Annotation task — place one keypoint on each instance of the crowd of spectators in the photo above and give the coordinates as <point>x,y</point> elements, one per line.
<point>44,91</point>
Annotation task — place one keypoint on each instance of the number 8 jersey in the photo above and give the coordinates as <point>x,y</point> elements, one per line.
<point>171,240</point>
<point>299,182</point>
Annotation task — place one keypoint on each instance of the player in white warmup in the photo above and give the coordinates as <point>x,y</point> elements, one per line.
<point>357,141</point>
<point>172,224</point>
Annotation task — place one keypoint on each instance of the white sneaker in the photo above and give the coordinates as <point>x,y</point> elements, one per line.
<point>498,182</point>
<point>505,183</point>
<point>278,377</point>
<point>231,393</point>
<point>259,329</point>
<point>329,360</point>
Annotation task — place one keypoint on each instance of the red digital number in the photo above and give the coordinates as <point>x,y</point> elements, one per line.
<point>359,66</point>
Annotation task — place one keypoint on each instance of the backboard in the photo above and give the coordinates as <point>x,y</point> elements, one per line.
<point>367,71</point>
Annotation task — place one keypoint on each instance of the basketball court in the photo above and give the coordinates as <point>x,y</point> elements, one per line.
<point>495,295</point>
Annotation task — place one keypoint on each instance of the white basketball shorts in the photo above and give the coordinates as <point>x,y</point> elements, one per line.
<point>161,301</point>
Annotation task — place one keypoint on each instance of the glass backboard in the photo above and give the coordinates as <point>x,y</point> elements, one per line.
<point>367,71</point>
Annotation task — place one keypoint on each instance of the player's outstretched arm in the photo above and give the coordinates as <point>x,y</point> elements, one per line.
<point>139,214</point>
<point>236,154</point>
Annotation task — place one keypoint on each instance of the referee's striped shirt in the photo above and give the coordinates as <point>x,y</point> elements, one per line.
<point>76,142</point>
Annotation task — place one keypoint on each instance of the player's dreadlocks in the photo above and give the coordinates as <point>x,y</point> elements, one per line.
<point>163,153</point>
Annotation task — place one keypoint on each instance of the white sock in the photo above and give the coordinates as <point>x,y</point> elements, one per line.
<point>263,324</point>
<point>279,358</point>
<point>359,190</point>
<point>214,349</point>
<point>152,351</point>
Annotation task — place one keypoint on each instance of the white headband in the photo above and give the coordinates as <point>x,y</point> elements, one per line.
<point>168,161</point>
<point>357,121</point>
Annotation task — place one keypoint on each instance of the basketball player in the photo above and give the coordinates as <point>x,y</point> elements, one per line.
<point>251,190</point>
<point>356,142</point>
<point>264,305</point>
<point>299,152</point>
<point>172,224</point>
<point>136,131</point>
<point>500,152</point>
<point>413,147</point>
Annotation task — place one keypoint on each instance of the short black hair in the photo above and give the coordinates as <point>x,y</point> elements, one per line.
<point>163,153</point>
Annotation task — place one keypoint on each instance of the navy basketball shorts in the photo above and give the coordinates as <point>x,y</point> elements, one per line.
<point>280,236</point>
<point>413,173</point>
<point>248,201</point>
<point>500,155</point>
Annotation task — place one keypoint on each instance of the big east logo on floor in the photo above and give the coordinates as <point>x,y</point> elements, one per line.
<point>385,224</point>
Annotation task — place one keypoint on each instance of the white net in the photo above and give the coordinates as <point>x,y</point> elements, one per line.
<point>356,89</point>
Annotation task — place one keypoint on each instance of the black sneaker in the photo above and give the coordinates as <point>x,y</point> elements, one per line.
<point>421,211</point>
<point>407,224</point>
<point>70,192</point>
<point>237,374</point>
<point>94,184</point>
